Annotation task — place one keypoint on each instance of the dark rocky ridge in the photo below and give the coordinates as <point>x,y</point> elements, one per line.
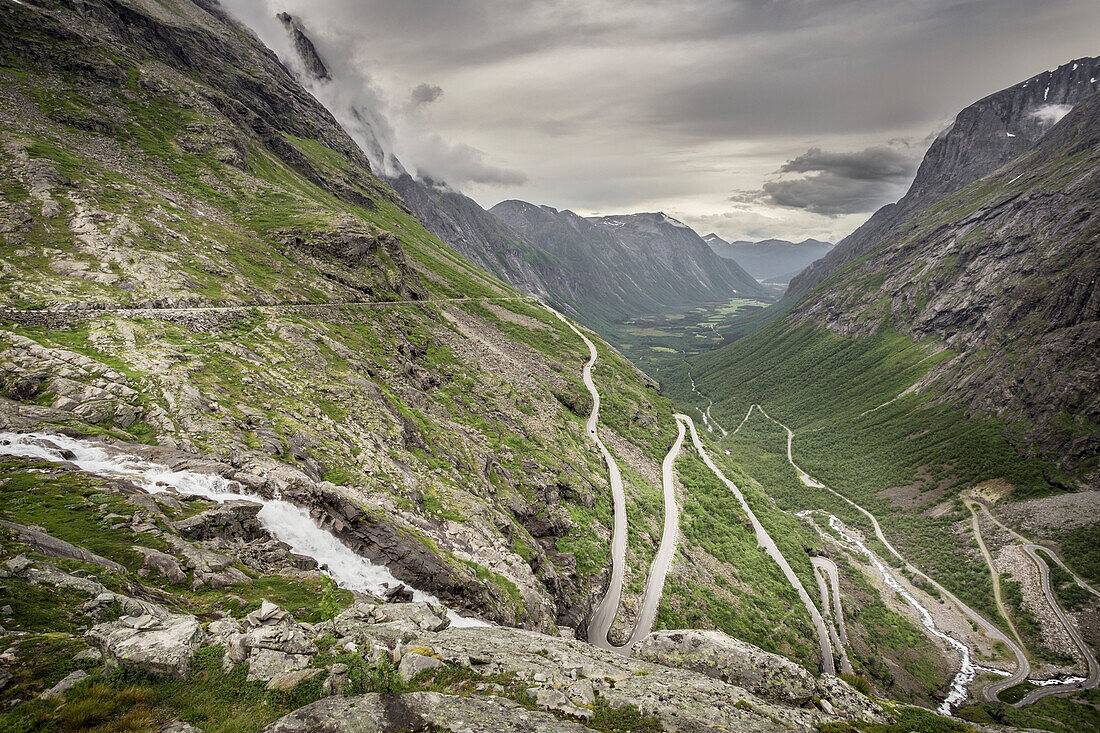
<point>984,136</point>
<point>304,47</point>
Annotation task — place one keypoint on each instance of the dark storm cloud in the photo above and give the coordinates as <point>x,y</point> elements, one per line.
<point>670,104</point>
<point>423,94</point>
<point>871,164</point>
<point>840,182</point>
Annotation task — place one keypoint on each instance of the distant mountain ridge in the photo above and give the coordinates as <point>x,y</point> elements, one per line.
<point>620,266</point>
<point>770,260</point>
<point>600,269</point>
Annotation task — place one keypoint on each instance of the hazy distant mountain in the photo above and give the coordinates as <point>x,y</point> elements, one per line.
<point>619,266</point>
<point>770,260</point>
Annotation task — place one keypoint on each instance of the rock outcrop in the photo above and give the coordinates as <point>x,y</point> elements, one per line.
<point>374,713</point>
<point>731,660</point>
<point>162,646</point>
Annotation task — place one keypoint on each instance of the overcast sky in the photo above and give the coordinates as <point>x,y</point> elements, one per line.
<point>751,118</point>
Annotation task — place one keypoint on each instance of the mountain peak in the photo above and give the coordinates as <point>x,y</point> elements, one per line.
<point>307,52</point>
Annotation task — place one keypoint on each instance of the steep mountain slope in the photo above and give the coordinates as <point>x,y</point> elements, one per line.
<point>958,353</point>
<point>618,266</point>
<point>239,208</point>
<point>192,279</point>
<point>983,137</point>
<point>483,239</point>
<point>770,260</point>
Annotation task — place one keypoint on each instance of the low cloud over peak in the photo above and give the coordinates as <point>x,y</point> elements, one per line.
<point>607,105</point>
<point>840,182</point>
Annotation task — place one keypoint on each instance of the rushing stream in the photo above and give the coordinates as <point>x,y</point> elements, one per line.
<point>967,669</point>
<point>285,521</point>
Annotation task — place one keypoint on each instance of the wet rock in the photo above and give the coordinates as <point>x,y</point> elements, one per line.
<point>233,520</point>
<point>398,594</point>
<point>162,647</point>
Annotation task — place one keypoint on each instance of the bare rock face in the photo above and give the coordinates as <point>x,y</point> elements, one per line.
<point>307,52</point>
<point>158,646</point>
<point>986,135</point>
<point>414,663</point>
<point>375,713</point>
<point>731,660</point>
<point>231,520</point>
<point>765,674</point>
<point>162,564</point>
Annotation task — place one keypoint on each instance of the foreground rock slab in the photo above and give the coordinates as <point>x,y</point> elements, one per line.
<point>161,646</point>
<point>376,713</point>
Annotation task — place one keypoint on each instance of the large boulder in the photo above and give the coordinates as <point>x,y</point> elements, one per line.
<point>273,643</point>
<point>233,520</point>
<point>161,646</point>
<point>387,624</point>
<point>414,663</point>
<point>161,563</point>
<point>374,713</point>
<point>733,661</point>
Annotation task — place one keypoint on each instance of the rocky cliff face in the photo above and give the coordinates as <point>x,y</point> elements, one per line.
<point>482,238</point>
<point>1004,273</point>
<point>984,136</point>
<point>619,266</point>
<point>992,252</point>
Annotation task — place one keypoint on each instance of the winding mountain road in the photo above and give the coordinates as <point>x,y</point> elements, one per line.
<point>996,576</point>
<point>826,574</point>
<point>655,583</point>
<point>1032,551</point>
<point>991,691</point>
<point>600,623</point>
<point>1086,653</point>
<point>764,540</point>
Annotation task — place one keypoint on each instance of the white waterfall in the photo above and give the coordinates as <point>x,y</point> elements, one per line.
<point>285,521</point>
